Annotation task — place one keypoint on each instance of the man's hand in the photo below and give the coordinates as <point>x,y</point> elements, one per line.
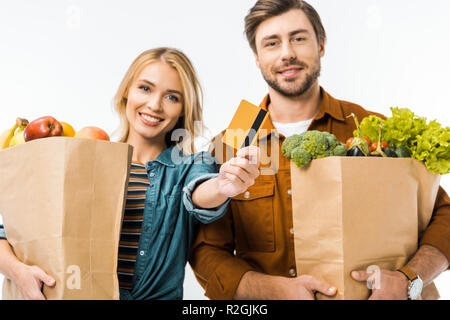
<point>259,286</point>
<point>30,279</point>
<point>239,173</point>
<point>428,262</point>
<point>385,284</point>
<point>304,287</point>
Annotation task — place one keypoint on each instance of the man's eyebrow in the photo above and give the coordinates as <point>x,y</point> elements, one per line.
<point>153,85</point>
<point>271,37</point>
<point>292,33</point>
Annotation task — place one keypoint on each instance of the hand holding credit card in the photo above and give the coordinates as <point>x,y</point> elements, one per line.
<point>239,173</point>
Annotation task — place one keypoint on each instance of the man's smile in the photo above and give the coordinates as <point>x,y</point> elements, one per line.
<point>290,72</point>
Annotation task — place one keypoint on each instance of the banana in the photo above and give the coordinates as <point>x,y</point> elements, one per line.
<point>6,137</point>
<point>18,137</point>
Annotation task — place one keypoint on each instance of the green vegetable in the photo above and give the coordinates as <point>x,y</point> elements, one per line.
<point>403,128</point>
<point>399,130</point>
<point>390,152</point>
<point>301,157</point>
<point>290,144</point>
<point>369,127</point>
<point>359,142</point>
<point>411,136</point>
<point>433,148</point>
<point>310,145</point>
<point>403,152</point>
<point>340,150</point>
<point>379,152</point>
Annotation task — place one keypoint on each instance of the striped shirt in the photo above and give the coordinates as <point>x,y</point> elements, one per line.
<point>132,224</point>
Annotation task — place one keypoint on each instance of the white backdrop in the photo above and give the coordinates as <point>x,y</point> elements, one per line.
<point>65,58</point>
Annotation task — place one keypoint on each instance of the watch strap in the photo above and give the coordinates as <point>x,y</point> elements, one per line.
<point>411,275</point>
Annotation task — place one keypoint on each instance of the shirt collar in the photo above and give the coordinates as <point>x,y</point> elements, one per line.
<point>165,157</point>
<point>331,106</point>
<point>328,105</point>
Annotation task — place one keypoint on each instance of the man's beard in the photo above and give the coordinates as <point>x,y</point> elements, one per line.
<point>294,91</point>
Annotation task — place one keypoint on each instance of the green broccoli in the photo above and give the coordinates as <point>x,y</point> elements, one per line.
<point>303,148</point>
<point>301,157</point>
<point>332,140</point>
<point>315,142</point>
<point>340,150</point>
<point>290,144</point>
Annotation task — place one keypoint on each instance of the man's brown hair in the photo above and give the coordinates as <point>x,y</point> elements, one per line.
<point>265,9</point>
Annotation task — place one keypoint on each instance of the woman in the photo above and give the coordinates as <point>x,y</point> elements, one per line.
<point>171,188</point>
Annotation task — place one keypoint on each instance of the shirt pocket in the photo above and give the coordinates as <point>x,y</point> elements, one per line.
<point>254,218</point>
<point>171,213</point>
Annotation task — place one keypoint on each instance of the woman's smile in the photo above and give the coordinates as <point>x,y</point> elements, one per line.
<point>150,120</point>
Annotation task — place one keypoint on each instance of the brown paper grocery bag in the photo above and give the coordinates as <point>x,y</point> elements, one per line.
<point>62,201</point>
<point>354,213</point>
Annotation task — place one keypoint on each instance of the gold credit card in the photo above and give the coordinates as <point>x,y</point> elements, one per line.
<point>245,125</point>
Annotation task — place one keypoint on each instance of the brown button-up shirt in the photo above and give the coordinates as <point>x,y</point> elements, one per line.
<point>257,232</point>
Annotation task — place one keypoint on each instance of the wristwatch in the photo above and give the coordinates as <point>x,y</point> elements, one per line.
<point>415,283</point>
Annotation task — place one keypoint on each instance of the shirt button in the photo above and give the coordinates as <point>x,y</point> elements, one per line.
<point>292,272</point>
<point>289,192</point>
<point>152,174</point>
<point>247,195</point>
<point>142,253</point>
<point>291,230</point>
<point>146,229</point>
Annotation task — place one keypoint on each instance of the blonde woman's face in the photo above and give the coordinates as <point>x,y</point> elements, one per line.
<point>155,101</point>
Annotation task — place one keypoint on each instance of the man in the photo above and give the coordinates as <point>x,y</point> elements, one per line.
<point>249,254</point>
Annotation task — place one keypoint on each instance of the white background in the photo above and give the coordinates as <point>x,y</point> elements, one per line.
<point>66,58</point>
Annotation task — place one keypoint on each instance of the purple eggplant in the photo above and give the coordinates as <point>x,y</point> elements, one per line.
<point>355,152</point>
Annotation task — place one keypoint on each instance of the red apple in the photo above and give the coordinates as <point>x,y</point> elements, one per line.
<point>42,128</point>
<point>92,133</point>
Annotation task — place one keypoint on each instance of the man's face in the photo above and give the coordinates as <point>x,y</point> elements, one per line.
<point>288,54</point>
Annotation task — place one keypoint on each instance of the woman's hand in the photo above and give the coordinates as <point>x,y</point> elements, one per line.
<point>235,176</point>
<point>239,173</point>
<point>30,280</point>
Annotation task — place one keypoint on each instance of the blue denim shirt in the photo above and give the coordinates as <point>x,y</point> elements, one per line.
<point>170,223</point>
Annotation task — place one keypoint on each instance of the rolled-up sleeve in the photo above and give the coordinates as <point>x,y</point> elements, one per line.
<point>437,233</point>
<point>204,167</point>
<point>203,215</point>
<point>2,232</point>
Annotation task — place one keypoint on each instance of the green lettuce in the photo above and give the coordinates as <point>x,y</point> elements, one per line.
<point>403,128</point>
<point>432,147</point>
<point>429,143</point>
<point>370,127</point>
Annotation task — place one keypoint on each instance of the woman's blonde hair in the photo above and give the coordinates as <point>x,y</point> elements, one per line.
<point>192,95</point>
